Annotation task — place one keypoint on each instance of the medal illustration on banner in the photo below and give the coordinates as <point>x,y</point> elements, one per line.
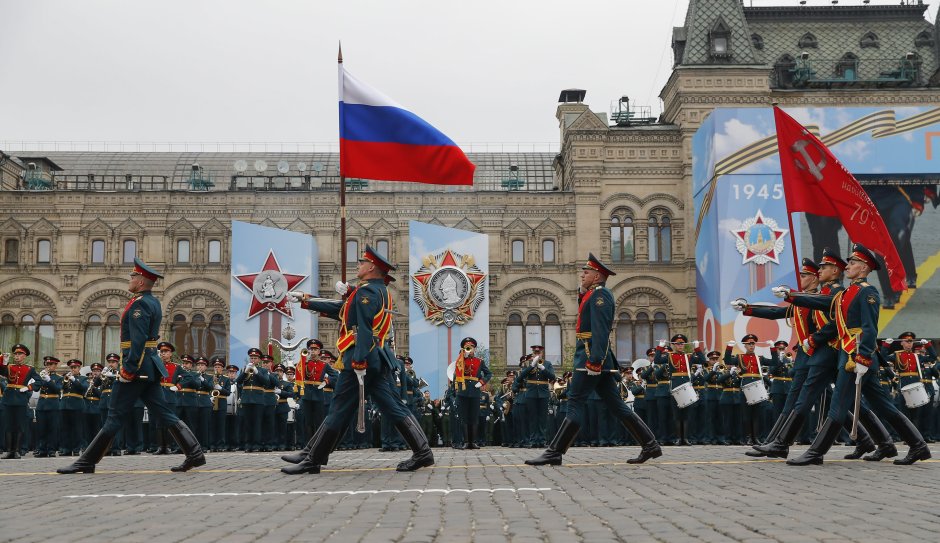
<point>269,288</point>
<point>760,241</point>
<point>448,288</point>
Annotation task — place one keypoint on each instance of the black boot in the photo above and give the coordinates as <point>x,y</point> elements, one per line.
<point>472,437</point>
<point>912,436</point>
<point>778,425</point>
<point>682,439</point>
<point>13,446</point>
<point>161,442</point>
<point>298,457</point>
<point>780,446</point>
<point>322,444</point>
<point>558,446</point>
<point>885,450</point>
<point>824,440</point>
<point>92,454</point>
<point>865,443</point>
<point>641,434</point>
<point>421,455</point>
<point>189,445</point>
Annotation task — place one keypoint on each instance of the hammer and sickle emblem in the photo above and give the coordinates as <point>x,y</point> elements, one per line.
<point>807,163</point>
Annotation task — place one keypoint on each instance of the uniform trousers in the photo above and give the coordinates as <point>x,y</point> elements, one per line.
<point>47,431</point>
<point>70,429</point>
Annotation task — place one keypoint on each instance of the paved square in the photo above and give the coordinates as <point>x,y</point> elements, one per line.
<point>698,493</point>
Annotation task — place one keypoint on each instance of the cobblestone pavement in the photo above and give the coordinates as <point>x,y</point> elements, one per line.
<point>705,494</point>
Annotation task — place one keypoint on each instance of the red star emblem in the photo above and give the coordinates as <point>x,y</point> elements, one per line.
<point>269,288</point>
<point>759,240</point>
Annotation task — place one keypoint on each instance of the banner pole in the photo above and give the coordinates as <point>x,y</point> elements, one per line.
<point>342,180</point>
<point>796,260</point>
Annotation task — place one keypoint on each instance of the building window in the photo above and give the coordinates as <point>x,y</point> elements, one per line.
<point>660,327</point>
<point>43,251</point>
<point>196,336</point>
<point>7,331</point>
<point>783,71</point>
<point>624,338</point>
<point>182,251</point>
<point>45,341</point>
<point>381,247</point>
<point>518,251</point>
<point>514,340</point>
<point>11,251</point>
<point>102,337</point>
<point>808,41</point>
<point>553,340</point>
<point>757,41</point>
<point>659,230</point>
<point>719,38</point>
<point>870,39</point>
<point>924,39</point>
<point>97,251</point>
<point>621,237</point>
<point>352,250</point>
<point>847,67</point>
<point>548,251</point>
<point>39,338</point>
<point>215,251</point>
<point>129,252</point>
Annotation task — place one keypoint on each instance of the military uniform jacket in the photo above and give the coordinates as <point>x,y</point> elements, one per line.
<point>188,384</point>
<point>287,391</point>
<point>106,384</point>
<point>140,329</point>
<point>73,393</point>
<point>474,371</point>
<point>908,364</point>
<point>592,330</point>
<point>536,380</point>
<point>712,386</point>
<point>412,392</point>
<point>678,365</point>
<point>730,389</point>
<point>648,374</point>
<point>226,385</point>
<point>365,323</point>
<point>639,396</point>
<point>315,373</point>
<point>93,395</point>
<point>18,375</point>
<point>172,369</point>
<point>781,379</point>
<point>751,364</point>
<point>485,403</point>
<point>48,393</point>
<point>252,386</point>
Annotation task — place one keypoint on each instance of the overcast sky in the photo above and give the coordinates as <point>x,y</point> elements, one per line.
<point>265,71</point>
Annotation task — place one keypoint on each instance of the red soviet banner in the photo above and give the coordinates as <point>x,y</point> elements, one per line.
<point>815,182</point>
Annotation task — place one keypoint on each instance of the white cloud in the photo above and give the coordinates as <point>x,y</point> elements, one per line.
<point>736,135</point>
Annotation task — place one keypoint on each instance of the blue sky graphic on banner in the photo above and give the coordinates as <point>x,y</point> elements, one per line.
<point>743,245</point>
<point>266,264</point>
<point>449,272</point>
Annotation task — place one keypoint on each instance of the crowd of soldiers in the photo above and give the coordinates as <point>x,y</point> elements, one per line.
<point>268,408</point>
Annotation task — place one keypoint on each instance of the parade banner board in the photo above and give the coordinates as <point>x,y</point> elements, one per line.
<point>449,298</point>
<point>742,236</point>
<point>267,263</point>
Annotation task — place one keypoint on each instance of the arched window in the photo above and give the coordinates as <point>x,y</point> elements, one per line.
<point>182,251</point>
<point>7,331</point>
<point>808,41</point>
<point>757,41</point>
<point>621,237</point>
<point>624,338</point>
<point>45,341</point>
<point>660,326</point>
<point>102,337</point>
<point>215,251</point>
<point>548,251</point>
<point>129,251</point>
<point>217,340</point>
<point>43,251</point>
<point>636,335</point>
<point>783,71</point>
<point>518,251</point>
<point>553,339</point>
<point>642,333</point>
<point>97,255</point>
<point>533,332</point>
<point>197,336</point>
<point>11,251</point>
<point>870,39</point>
<point>847,67</point>
<point>381,247</point>
<point>514,340</point>
<point>352,251</point>
<point>924,39</point>
<point>659,231</point>
<point>719,38</point>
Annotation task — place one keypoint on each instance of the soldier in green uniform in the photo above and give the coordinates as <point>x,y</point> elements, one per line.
<point>748,365</point>
<point>676,367</point>
<point>283,389</point>
<point>780,382</point>
<point>390,440</point>
<point>252,381</point>
<point>856,312</point>
<point>486,417</point>
<point>171,392</point>
<point>187,382</point>
<point>520,424</point>
<point>270,405</point>
<point>648,374</point>
<point>93,400</point>
<point>713,388</point>
<point>72,409</point>
<point>729,407</point>
<point>139,377</point>
<point>596,369</point>
<point>470,376</point>
<point>365,322</point>
<point>203,387</point>
<point>697,421</point>
<point>48,409</point>
<point>108,377</point>
<point>536,375</point>
<point>910,367</point>
<point>221,388</point>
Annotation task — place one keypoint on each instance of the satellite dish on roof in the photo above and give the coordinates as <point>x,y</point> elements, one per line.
<point>318,167</point>
<point>301,166</point>
<point>260,165</point>
<point>240,166</point>
<point>283,166</point>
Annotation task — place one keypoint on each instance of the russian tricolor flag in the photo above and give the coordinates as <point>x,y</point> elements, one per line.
<point>381,140</point>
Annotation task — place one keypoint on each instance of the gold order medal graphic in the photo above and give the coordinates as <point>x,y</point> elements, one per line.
<point>449,288</point>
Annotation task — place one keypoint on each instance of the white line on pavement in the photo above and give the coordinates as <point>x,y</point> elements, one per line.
<point>444,491</point>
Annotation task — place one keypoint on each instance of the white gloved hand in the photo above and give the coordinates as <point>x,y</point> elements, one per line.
<point>25,389</point>
<point>592,373</point>
<point>46,378</point>
<point>715,366</point>
<point>479,384</point>
<point>738,305</point>
<point>123,380</point>
<point>341,288</point>
<point>322,385</point>
<point>487,417</point>
<point>541,367</point>
<point>361,374</point>
<point>217,387</point>
<point>72,378</point>
<point>860,369</point>
<point>202,379</point>
<point>732,343</point>
<point>889,341</point>
<point>532,363</point>
<point>296,296</point>
<point>662,343</point>
<point>277,390</point>
<point>806,345</point>
<point>174,388</point>
<point>781,292</point>
<point>924,341</point>
<point>404,402</point>
<point>696,343</point>
<point>735,370</point>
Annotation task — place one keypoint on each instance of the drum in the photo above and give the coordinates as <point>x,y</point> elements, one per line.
<point>915,395</point>
<point>684,395</point>
<point>755,393</point>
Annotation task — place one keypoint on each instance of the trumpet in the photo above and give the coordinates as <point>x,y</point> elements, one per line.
<point>305,353</point>
<point>250,369</point>
<point>215,394</point>
<point>467,350</point>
